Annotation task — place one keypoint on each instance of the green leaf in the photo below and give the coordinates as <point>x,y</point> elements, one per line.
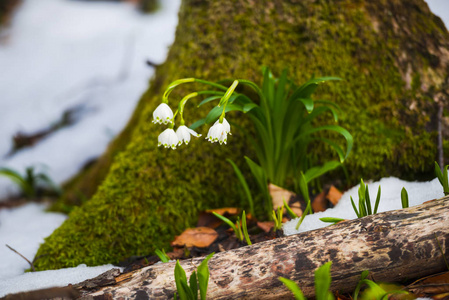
<point>438,173</point>
<point>215,112</point>
<point>404,198</point>
<point>293,287</point>
<point>308,104</point>
<point>203,276</point>
<point>245,229</point>
<point>315,172</point>
<point>290,212</point>
<point>305,193</point>
<point>194,285</point>
<point>331,220</point>
<point>261,178</point>
<point>355,208</point>
<point>162,256</point>
<point>368,202</point>
<point>377,200</point>
<point>209,99</point>
<point>249,106</point>
<point>197,124</point>
<point>183,289</point>
<point>244,184</point>
<point>227,221</point>
<point>323,281</point>
<point>363,276</point>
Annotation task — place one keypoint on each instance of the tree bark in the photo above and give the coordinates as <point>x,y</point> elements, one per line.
<point>393,246</point>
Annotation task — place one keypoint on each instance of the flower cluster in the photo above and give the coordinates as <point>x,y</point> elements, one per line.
<point>171,139</point>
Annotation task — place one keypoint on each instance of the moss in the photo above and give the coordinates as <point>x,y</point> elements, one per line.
<point>151,194</point>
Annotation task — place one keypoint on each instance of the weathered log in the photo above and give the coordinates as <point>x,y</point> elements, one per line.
<point>393,246</point>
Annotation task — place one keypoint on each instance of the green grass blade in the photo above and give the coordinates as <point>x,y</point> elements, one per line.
<point>227,221</point>
<point>316,172</point>
<point>323,281</point>
<point>194,285</point>
<point>290,212</point>
<point>182,288</point>
<point>245,229</point>
<point>363,276</point>
<point>331,220</point>
<point>439,174</point>
<point>203,276</point>
<point>162,255</point>
<point>244,184</point>
<point>293,287</point>
<point>377,200</point>
<point>355,208</point>
<point>368,202</point>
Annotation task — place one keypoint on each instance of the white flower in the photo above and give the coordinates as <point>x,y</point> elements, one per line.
<point>162,114</point>
<point>168,138</point>
<point>219,132</point>
<point>183,133</point>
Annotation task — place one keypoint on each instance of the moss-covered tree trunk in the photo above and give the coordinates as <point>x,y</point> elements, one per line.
<point>393,56</point>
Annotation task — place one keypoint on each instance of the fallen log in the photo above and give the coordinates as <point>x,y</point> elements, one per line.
<point>393,246</point>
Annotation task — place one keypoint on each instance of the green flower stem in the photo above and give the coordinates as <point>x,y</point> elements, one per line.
<point>172,86</point>
<point>218,86</point>
<point>182,103</point>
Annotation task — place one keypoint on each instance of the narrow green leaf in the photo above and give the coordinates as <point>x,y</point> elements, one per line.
<point>293,287</point>
<point>331,220</point>
<point>308,104</point>
<point>290,212</point>
<point>227,221</point>
<point>215,112</point>
<point>260,176</point>
<point>197,124</point>
<point>181,282</point>
<point>404,198</point>
<point>245,229</point>
<point>162,256</point>
<point>194,285</point>
<point>377,200</point>
<point>363,276</point>
<point>316,172</point>
<point>368,202</point>
<point>249,106</point>
<point>244,184</point>
<point>209,99</point>
<point>203,276</point>
<point>323,281</point>
<point>438,173</point>
<point>355,208</point>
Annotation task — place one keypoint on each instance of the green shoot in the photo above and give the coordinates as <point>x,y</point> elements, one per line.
<point>305,193</point>
<point>374,291</point>
<point>277,218</point>
<point>364,207</point>
<point>240,229</point>
<point>162,255</point>
<point>404,198</point>
<point>199,279</point>
<point>442,177</point>
<point>322,284</point>
<point>244,184</point>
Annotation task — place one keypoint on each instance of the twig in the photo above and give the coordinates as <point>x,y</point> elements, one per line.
<point>31,264</point>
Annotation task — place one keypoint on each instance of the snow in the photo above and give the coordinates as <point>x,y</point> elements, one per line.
<point>418,192</point>
<point>61,55</point>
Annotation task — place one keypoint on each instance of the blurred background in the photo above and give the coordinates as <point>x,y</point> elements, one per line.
<point>71,73</point>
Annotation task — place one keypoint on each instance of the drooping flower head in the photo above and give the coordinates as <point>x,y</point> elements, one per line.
<point>168,139</point>
<point>162,114</point>
<point>219,132</point>
<point>183,133</point>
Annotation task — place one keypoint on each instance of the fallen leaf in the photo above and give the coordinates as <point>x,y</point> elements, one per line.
<point>233,211</point>
<point>265,226</point>
<point>206,219</point>
<point>278,195</point>
<point>435,284</point>
<point>334,195</point>
<point>200,237</point>
<point>320,202</point>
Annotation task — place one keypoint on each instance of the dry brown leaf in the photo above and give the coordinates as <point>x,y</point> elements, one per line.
<point>278,195</point>
<point>206,219</point>
<point>334,195</point>
<point>435,284</point>
<point>320,202</point>
<point>265,226</point>
<point>196,237</point>
<point>233,211</point>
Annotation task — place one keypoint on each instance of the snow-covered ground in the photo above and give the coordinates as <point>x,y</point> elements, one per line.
<point>87,56</point>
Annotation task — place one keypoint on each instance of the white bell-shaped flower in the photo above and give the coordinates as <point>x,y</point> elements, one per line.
<point>163,114</point>
<point>183,133</point>
<point>219,132</point>
<point>168,139</point>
